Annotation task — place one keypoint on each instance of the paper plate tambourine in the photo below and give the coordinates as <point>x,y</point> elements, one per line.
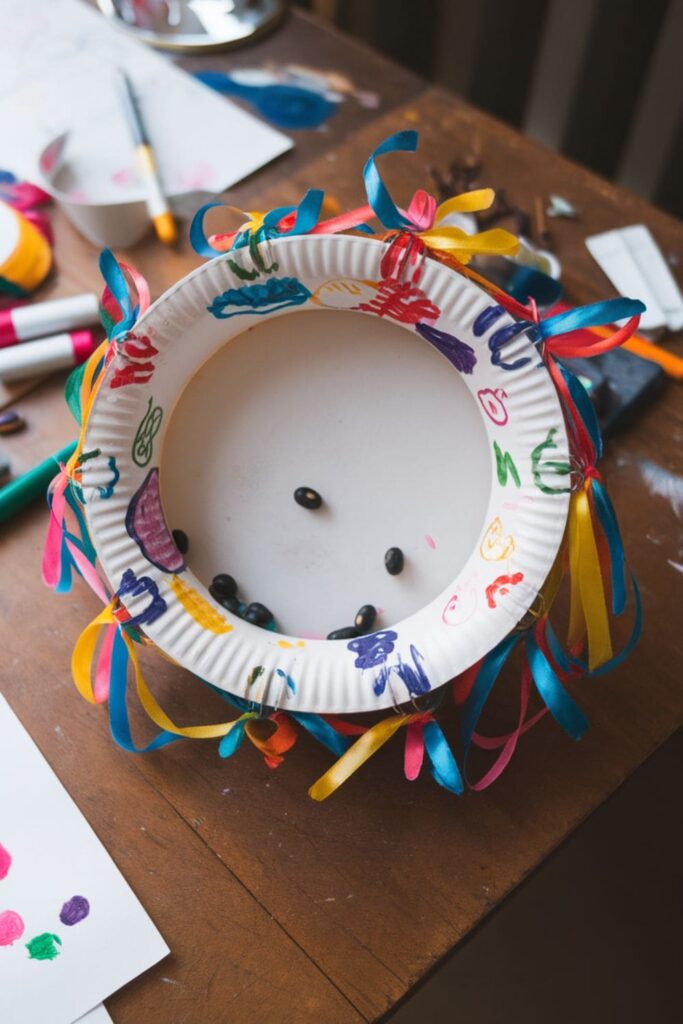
<point>429,413</point>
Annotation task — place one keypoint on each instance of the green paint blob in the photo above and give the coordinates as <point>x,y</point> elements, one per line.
<point>505,466</point>
<point>43,947</point>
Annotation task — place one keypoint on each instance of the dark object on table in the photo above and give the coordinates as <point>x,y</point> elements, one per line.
<point>394,561</point>
<point>181,541</point>
<point>365,618</point>
<point>11,422</point>
<point>307,498</point>
<point>620,386</point>
<point>345,633</point>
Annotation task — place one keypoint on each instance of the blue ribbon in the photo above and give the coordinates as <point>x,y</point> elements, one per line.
<point>233,740</point>
<point>307,216</point>
<point>594,315</point>
<point>323,732</point>
<point>118,712</point>
<point>118,286</point>
<point>489,671</point>
<point>198,239</point>
<point>553,694</point>
<point>384,207</point>
<point>443,765</point>
<point>585,409</point>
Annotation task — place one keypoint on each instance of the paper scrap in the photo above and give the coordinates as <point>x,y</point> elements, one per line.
<point>71,930</point>
<point>58,62</point>
<point>633,262</point>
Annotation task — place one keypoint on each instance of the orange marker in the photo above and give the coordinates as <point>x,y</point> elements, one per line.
<point>162,218</point>
<point>671,364</point>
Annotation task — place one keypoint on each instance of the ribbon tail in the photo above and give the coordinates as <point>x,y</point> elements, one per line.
<point>357,754</point>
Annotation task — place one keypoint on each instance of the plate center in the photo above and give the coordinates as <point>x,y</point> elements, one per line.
<point>366,413</point>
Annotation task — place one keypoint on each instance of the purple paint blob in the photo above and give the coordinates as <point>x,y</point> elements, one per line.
<point>74,910</point>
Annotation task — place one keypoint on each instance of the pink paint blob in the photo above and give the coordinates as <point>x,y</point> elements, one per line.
<point>5,862</point>
<point>125,176</point>
<point>430,542</point>
<point>11,927</point>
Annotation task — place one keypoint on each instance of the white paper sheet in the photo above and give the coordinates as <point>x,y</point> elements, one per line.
<point>55,856</point>
<point>57,61</point>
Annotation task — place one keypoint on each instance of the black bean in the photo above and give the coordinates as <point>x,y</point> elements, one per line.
<point>231,603</point>
<point>258,614</point>
<point>393,560</point>
<point>346,633</point>
<point>307,497</point>
<point>223,585</point>
<point>365,618</point>
<point>181,541</point>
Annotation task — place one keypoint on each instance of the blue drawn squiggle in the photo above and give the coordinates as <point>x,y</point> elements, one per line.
<point>268,297</point>
<point>373,650</point>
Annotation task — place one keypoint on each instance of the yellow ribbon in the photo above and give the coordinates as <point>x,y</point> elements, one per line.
<point>588,608</point>
<point>357,754</point>
<point>456,242</point>
<point>81,668</point>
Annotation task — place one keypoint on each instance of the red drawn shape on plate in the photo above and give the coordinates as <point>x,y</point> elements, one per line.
<point>11,927</point>
<point>5,862</point>
<point>501,586</point>
<point>139,346</point>
<point>493,405</point>
<point>402,301</point>
<point>132,373</point>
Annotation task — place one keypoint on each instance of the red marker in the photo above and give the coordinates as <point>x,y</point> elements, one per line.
<point>22,323</point>
<point>46,355</point>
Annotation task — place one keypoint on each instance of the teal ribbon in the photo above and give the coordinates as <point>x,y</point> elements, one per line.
<point>383,206</point>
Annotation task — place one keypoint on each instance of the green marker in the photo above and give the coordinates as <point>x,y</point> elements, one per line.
<point>32,485</point>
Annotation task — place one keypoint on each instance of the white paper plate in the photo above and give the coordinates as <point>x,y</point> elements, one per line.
<point>252,388</point>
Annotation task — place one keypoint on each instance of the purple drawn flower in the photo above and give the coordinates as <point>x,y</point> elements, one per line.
<point>373,650</point>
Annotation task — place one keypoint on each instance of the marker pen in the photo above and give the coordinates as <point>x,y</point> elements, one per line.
<point>45,355</point>
<point>43,318</point>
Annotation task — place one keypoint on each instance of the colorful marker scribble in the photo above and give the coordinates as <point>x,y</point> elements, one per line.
<point>136,353</point>
<point>493,405</point>
<point>413,677</point>
<point>458,353</point>
<point>11,927</point>
<point>5,862</point>
<point>373,650</point>
<point>199,608</point>
<point>461,605</point>
<point>74,911</point>
<point>495,545</point>
<point>143,442</point>
<point>505,466</point>
<point>486,319</point>
<point>402,301</point>
<point>553,466</point>
<point>501,587</point>
<point>273,295</point>
<point>145,523</point>
<point>44,947</point>
<point>135,586</point>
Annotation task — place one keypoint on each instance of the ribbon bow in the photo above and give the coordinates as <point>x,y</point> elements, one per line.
<point>423,226</point>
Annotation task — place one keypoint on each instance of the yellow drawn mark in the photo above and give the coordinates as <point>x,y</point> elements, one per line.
<point>198,607</point>
<point>345,293</point>
<point>286,644</point>
<point>495,547</point>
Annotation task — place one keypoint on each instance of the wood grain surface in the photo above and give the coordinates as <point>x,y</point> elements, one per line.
<point>277,908</point>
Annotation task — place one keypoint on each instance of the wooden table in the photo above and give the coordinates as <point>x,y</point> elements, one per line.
<point>277,908</point>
